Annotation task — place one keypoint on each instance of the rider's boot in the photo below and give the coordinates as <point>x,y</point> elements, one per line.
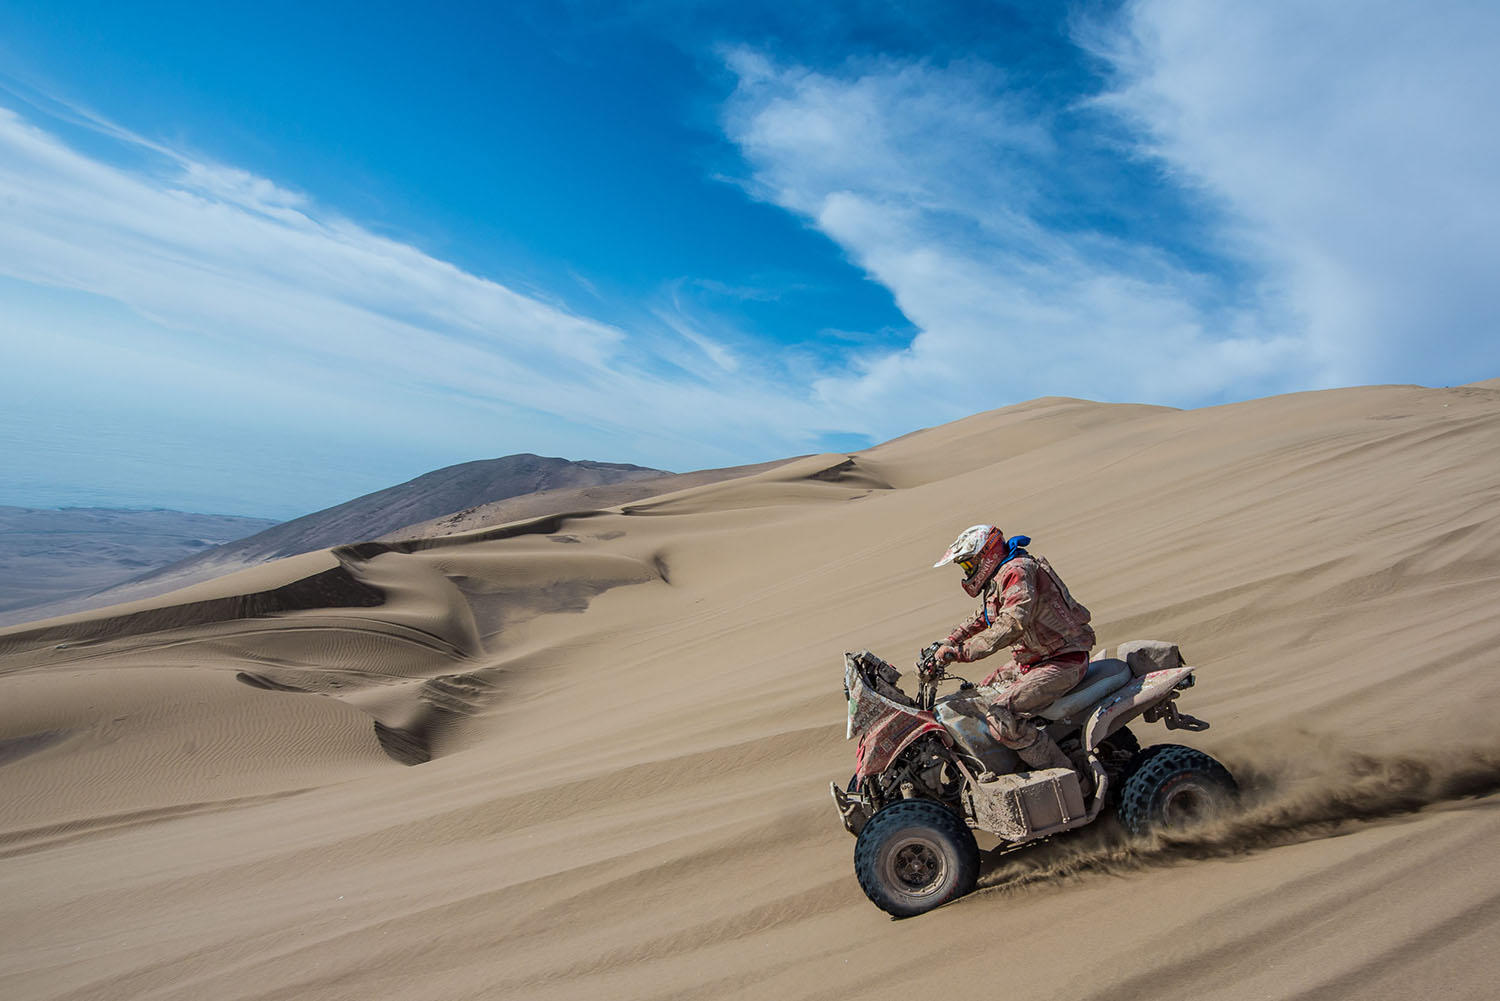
<point>1043,753</point>
<point>1079,761</point>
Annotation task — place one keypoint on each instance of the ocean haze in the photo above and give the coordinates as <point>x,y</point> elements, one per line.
<point>110,453</point>
<point>47,555</point>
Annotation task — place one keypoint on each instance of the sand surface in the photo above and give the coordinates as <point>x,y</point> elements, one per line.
<point>632,717</point>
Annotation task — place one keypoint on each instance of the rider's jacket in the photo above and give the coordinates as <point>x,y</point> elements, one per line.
<point>1027,607</point>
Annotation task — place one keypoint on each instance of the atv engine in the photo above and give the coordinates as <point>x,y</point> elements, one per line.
<point>923,771</point>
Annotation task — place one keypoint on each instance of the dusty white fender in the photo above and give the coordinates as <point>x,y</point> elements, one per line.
<point>1129,702</point>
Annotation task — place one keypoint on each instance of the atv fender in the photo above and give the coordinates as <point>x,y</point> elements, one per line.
<point>1129,702</point>
<point>880,745</point>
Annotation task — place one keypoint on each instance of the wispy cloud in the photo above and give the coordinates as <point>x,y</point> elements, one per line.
<point>242,277</point>
<point>1338,168</point>
<point>1358,149</point>
<point>218,251</point>
<point>936,180</point>
<point>679,317</point>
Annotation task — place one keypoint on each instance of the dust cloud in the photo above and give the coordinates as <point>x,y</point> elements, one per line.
<point>1304,789</point>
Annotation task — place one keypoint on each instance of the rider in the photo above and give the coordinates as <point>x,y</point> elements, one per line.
<point>1027,607</point>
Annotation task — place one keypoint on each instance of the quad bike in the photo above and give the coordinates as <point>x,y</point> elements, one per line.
<point>929,773</point>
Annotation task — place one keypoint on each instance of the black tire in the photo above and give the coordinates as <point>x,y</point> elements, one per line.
<point>1139,760</point>
<point>1120,754</point>
<point>1122,742</point>
<point>1173,786</point>
<point>915,855</point>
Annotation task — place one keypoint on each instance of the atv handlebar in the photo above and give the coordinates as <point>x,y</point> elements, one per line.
<point>928,665</point>
<point>930,671</point>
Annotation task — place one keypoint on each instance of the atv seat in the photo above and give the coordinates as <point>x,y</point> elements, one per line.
<point>1104,676</point>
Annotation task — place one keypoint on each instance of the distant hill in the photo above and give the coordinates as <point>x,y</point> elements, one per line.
<point>50,554</point>
<point>586,498</point>
<point>429,496</point>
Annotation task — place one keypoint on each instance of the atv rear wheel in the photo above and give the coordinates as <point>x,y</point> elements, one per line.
<point>1173,787</point>
<point>1122,743</point>
<point>915,855</point>
<point>1120,754</point>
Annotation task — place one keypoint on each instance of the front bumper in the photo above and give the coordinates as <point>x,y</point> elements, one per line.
<point>853,811</point>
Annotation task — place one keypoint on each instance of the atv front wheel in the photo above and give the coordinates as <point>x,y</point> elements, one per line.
<point>1173,787</point>
<point>915,855</point>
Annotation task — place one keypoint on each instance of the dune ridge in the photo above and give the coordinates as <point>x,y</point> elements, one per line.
<point>533,483</point>
<point>587,755</point>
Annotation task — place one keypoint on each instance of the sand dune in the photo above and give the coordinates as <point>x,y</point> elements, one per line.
<point>593,497</point>
<point>540,483</point>
<point>626,719</point>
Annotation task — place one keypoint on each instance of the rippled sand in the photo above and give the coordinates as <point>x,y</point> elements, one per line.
<point>587,756</point>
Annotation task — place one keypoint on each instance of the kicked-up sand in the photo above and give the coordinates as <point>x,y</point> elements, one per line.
<point>587,756</point>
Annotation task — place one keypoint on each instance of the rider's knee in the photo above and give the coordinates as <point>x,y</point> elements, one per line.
<point>1013,733</point>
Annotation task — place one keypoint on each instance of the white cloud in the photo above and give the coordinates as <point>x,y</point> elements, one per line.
<point>237,276</point>
<point>676,319</point>
<point>1350,154</point>
<point>1359,146</point>
<point>218,252</point>
<point>897,133</point>
<point>935,181</point>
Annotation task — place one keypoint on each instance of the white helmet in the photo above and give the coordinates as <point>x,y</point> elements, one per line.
<point>979,550</point>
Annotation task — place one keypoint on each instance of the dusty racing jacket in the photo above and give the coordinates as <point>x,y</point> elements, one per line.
<point>1027,607</point>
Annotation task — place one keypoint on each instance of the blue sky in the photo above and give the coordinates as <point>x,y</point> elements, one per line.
<point>260,258</point>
